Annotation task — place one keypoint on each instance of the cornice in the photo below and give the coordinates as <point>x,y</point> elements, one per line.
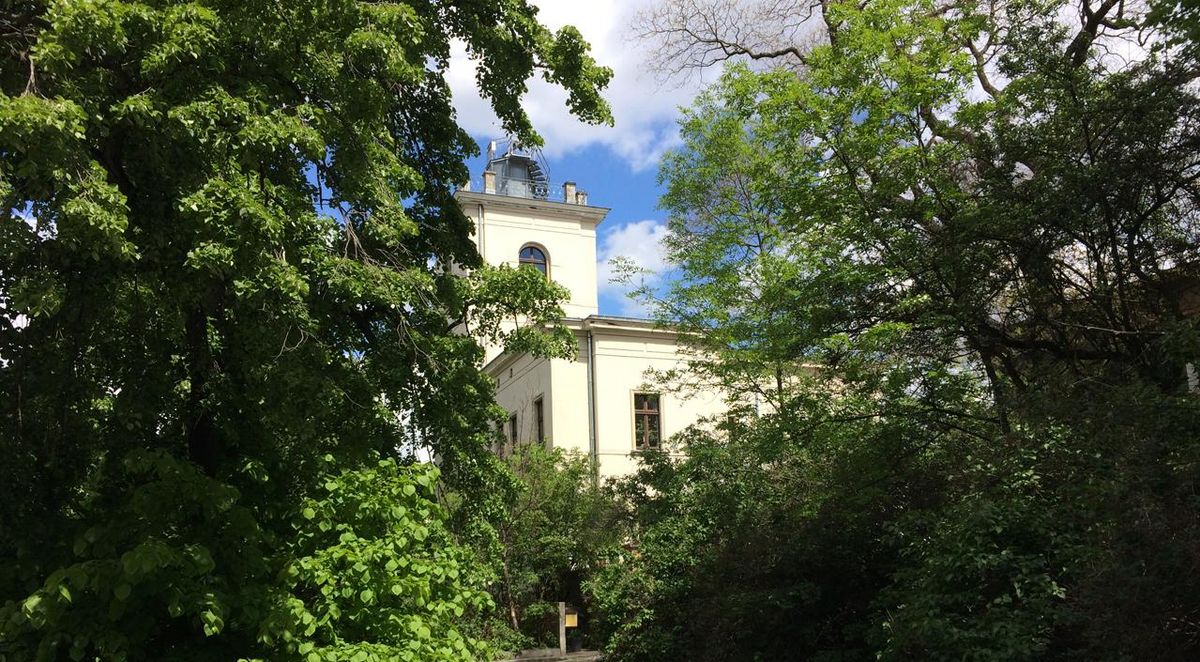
<point>587,213</point>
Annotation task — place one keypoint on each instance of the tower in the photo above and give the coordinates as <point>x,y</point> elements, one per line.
<point>598,403</point>
<point>521,218</point>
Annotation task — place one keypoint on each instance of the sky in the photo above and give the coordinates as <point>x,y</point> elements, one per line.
<point>618,165</point>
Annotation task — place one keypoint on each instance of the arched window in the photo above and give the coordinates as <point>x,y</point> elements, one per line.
<point>535,257</point>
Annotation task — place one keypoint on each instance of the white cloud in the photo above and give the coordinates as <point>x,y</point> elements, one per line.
<point>644,110</point>
<point>640,242</point>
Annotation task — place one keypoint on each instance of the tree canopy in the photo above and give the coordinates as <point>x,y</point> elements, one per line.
<point>553,537</point>
<point>943,256</point>
<point>223,273</point>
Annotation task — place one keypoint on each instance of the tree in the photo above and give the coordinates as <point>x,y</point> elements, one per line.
<point>222,259</point>
<point>553,537</point>
<point>951,248</point>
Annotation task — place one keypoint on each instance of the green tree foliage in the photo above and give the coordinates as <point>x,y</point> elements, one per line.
<point>554,535</point>
<point>223,257</point>
<point>374,562</point>
<point>368,572</point>
<point>946,259</point>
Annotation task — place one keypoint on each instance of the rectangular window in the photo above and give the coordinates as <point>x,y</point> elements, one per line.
<point>539,417</point>
<point>647,421</point>
<point>512,430</point>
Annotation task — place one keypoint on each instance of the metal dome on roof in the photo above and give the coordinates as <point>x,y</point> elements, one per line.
<point>520,171</point>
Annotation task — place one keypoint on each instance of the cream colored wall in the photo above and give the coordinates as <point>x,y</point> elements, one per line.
<point>621,364</point>
<point>570,245</point>
<point>518,383</point>
<point>571,429</point>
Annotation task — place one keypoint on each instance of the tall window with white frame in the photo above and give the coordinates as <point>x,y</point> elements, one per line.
<point>512,430</point>
<point>647,421</point>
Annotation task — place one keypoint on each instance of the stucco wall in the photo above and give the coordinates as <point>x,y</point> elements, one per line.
<point>569,391</point>
<point>570,245</point>
<point>621,365</point>
<point>518,383</point>
<point>566,233</point>
<point>622,360</point>
<point>624,350</point>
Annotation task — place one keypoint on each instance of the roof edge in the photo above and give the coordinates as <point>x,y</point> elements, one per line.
<point>587,212</point>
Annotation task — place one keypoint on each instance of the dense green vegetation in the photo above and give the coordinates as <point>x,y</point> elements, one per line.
<point>943,259</point>
<point>949,253</point>
<point>554,535</point>
<point>223,231</point>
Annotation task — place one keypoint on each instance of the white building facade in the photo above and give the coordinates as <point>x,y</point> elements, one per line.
<point>600,404</point>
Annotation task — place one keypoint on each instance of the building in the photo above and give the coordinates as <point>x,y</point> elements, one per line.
<point>600,403</point>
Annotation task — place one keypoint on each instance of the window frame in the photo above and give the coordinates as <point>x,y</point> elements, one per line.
<point>657,412</point>
<point>539,419</point>
<point>512,429</point>
<point>545,263</point>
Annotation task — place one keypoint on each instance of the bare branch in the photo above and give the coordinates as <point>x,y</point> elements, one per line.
<point>1093,21</point>
<point>692,35</point>
<point>981,70</point>
<point>944,129</point>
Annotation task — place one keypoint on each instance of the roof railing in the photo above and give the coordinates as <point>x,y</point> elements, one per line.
<point>531,189</point>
